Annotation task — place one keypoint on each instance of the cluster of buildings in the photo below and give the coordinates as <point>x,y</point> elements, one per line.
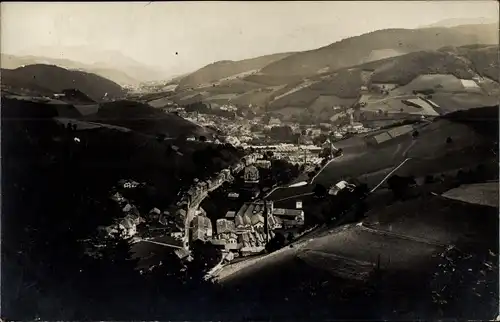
<point>125,227</point>
<point>293,153</point>
<point>188,204</point>
<point>389,134</point>
<point>248,230</point>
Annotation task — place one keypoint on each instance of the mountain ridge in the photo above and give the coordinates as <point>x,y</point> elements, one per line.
<point>51,79</point>
<point>226,68</point>
<point>9,61</point>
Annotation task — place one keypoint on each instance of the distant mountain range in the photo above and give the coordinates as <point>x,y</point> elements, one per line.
<point>330,75</point>
<point>109,64</point>
<point>50,79</point>
<point>340,70</point>
<point>284,68</point>
<point>356,50</point>
<point>117,76</point>
<point>453,22</point>
<point>227,68</point>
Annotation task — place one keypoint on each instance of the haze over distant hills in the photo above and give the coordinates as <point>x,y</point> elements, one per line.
<point>227,68</point>
<point>106,63</point>
<point>49,79</point>
<point>355,50</point>
<point>351,51</point>
<point>335,74</point>
<point>328,76</point>
<point>115,75</point>
<point>453,22</point>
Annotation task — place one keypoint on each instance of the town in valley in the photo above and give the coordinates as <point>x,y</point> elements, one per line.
<point>158,165</point>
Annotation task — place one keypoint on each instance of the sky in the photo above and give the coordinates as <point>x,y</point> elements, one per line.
<point>184,36</point>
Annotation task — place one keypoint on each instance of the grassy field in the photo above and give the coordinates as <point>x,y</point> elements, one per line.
<point>438,82</point>
<point>308,273</point>
<point>429,152</point>
<point>436,218</point>
<point>479,193</point>
<point>396,253</point>
<point>462,101</point>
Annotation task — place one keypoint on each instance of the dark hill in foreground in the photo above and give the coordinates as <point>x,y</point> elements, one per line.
<point>56,192</point>
<point>49,79</point>
<point>145,119</point>
<point>332,276</point>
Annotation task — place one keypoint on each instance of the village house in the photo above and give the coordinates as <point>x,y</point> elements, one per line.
<point>290,217</point>
<point>201,228</point>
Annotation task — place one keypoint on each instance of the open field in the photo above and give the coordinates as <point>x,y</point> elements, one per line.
<point>480,193</point>
<point>435,218</point>
<point>395,252</point>
<point>321,276</point>
<point>462,101</point>
<point>429,153</point>
<point>437,82</point>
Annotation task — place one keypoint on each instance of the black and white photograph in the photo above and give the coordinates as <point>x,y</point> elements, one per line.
<point>249,161</point>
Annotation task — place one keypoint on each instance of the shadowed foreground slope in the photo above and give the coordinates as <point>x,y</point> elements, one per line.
<point>336,277</point>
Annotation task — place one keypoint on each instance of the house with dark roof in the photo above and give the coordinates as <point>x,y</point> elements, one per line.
<point>202,228</point>
<point>290,217</point>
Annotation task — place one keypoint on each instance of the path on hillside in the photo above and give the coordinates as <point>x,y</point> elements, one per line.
<point>324,167</point>
<point>389,174</point>
<point>307,184</point>
<point>383,100</point>
<point>401,236</point>
<point>295,246</point>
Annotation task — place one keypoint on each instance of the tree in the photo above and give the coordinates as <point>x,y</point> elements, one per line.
<point>160,137</point>
<point>319,191</point>
<point>205,257</point>
<point>429,179</point>
<point>361,190</point>
<point>282,133</point>
<point>277,242</point>
<point>461,176</point>
<point>415,134</point>
<point>400,185</point>
<point>320,139</point>
<point>169,150</point>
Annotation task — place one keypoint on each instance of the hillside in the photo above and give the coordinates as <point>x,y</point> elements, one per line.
<point>143,118</point>
<point>393,265</point>
<point>355,50</point>
<point>475,139</point>
<point>227,68</point>
<point>484,60</point>
<point>97,59</point>
<point>116,75</point>
<point>470,71</point>
<point>69,182</point>
<point>53,79</point>
<point>453,22</point>
<point>463,58</point>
